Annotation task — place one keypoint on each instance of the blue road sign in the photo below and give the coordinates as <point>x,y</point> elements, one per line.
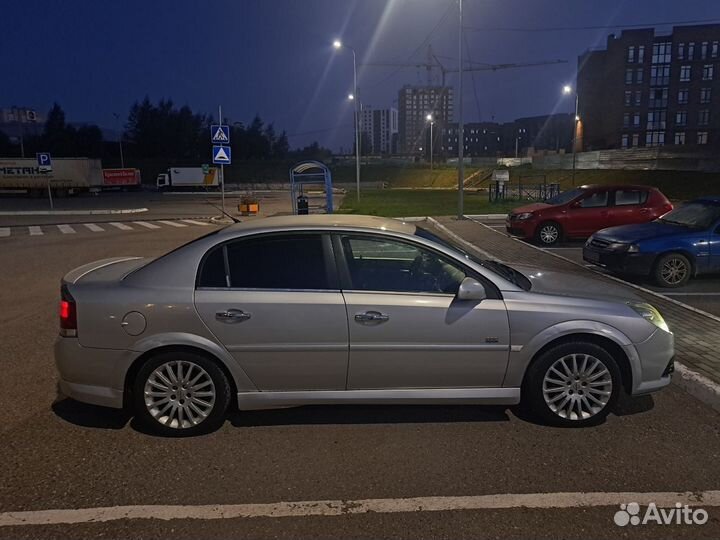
<point>43,160</point>
<point>220,134</point>
<point>221,155</point>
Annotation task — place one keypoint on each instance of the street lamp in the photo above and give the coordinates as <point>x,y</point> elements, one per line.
<point>430,119</point>
<point>461,132</point>
<point>337,45</point>
<point>567,90</point>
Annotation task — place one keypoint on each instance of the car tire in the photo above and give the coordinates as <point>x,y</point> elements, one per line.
<point>548,233</point>
<point>581,395</point>
<point>672,270</point>
<point>168,406</point>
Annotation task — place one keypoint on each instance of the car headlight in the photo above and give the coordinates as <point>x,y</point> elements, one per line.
<point>633,248</point>
<point>526,215</point>
<point>649,313</point>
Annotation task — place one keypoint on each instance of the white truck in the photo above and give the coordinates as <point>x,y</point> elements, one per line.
<point>68,175</point>
<point>187,177</point>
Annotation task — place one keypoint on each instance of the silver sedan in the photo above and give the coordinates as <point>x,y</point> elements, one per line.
<point>302,310</point>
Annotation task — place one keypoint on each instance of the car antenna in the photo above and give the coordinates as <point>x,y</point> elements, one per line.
<point>233,218</point>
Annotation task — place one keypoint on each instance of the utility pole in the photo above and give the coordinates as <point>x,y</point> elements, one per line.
<point>120,138</point>
<point>222,169</point>
<point>461,136</point>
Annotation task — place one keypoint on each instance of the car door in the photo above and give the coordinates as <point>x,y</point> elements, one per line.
<point>714,264</point>
<point>630,206</point>
<point>274,302</point>
<point>589,214</point>
<point>407,328</point>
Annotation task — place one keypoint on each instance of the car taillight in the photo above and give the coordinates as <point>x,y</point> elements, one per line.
<point>68,313</point>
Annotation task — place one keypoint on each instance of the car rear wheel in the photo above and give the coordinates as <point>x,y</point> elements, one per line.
<point>180,394</point>
<point>548,233</point>
<point>672,270</point>
<point>572,385</point>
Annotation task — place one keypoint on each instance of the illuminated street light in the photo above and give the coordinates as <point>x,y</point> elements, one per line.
<point>337,45</point>
<point>567,90</point>
<point>430,119</point>
<point>351,97</point>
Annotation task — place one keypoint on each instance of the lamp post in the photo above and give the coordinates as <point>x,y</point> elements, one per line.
<point>567,89</point>
<point>337,44</point>
<point>120,138</point>
<point>430,119</point>
<point>461,134</point>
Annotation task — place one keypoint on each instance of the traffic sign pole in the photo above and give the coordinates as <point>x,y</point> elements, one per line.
<point>222,168</point>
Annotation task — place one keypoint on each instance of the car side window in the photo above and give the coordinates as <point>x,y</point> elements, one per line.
<point>628,197</point>
<point>595,200</point>
<point>268,262</point>
<point>379,264</point>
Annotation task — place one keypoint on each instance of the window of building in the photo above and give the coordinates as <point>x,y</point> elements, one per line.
<point>636,120</point>
<point>714,51</point>
<point>655,138</point>
<point>639,75</point>
<point>681,51</point>
<point>703,117</point>
<point>635,140</point>
<point>624,141</point>
<point>705,95</point>
<point>659,75</point>
<point>626,119</point>
<point>708,70</point>
<point>679,137</point>
<point>681,118</point>
<point>682,96</point>
<point>628,76</point>
<point>691,50</point>
<point>702,137</point>
<point>658,98</point>
<point>656,119</point>
<point>661,52</point>
<point>638,97</point>
<point>628,98</point>
<point>703,50</point>
<point>684,73</point>
<point>631,54</point>
<point>641,54</point>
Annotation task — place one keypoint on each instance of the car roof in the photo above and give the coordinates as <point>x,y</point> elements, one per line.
<point>320,221</point>
<point>616,186</point>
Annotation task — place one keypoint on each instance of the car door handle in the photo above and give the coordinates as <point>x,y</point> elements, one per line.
<point>232,316</point>
<point>372,316</point>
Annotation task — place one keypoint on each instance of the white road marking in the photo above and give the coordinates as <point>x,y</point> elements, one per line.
<point>66,229</point>
<point>193,222</point>
<point>121,226</point>
<point>691,293</point>
<point>363,506</point>
<point>34,230</point>
<point>146,224</point>
<point>93,227</point>
<point>4,231</point>
<point>172,223</point>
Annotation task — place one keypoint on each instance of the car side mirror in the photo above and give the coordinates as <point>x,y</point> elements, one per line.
<point>471,289</point>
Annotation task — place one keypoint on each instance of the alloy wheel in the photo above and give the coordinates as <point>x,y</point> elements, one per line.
<point>549,234</point>
<point>577,386</point>
<point>179,394</point>
<point>674,271</point>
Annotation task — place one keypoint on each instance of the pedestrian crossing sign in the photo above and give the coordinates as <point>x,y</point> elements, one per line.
<point>219,134</point>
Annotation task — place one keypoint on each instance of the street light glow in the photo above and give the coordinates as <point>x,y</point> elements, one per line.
<point>577,118</point>
<point>429,117</point>
<point>337,44</point>
<point>567,89</point>
<point>351,97</point>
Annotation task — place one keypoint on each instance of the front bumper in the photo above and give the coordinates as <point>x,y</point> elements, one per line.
<point>523,228</point>
<point>655,363</point>
<point>90,375</point>
<point>636,264</point>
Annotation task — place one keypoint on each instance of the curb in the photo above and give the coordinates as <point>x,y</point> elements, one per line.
<point>697,385</point>
<point>74,212</point>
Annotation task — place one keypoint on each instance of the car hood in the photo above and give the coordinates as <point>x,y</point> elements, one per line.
<point>559,283</point>
<point>534,207</point>
<point>640,231</point>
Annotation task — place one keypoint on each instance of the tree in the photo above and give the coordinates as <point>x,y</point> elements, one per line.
<point>281,147</point>
<point>6,147</point>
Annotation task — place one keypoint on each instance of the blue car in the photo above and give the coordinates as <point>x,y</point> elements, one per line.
<point>675,247</point>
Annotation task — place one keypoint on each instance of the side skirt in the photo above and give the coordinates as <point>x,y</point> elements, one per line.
<point>403,396</point>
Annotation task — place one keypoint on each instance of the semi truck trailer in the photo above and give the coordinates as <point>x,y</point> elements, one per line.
<point>187,177</point>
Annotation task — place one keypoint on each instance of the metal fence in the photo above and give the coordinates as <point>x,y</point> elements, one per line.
<point>522,191</point>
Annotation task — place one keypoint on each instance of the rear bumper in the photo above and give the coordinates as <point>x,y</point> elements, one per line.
<point>636,264</point>
<point>95,376</point>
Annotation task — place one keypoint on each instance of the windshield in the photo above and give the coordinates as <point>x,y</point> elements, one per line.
<point>694,215</point>
<point>566,196</point>
<point>505,271</point>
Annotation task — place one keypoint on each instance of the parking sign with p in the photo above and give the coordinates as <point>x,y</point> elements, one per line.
<point>44,161</point>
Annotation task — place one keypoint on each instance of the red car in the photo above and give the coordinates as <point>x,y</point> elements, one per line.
<point>582,211</point>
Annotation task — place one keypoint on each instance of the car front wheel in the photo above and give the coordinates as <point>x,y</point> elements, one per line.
<point>672,270</point>
<point>180,394</point>
<point>548,234</point>
<point>572,385</point>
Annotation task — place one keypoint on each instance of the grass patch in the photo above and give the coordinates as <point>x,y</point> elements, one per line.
<point>426,202</point>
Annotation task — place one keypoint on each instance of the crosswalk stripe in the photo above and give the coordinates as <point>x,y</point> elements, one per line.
<point>172,223</point>
<point>146,224</point>
<point>193,222</point>
<point>35,230</point>
<point>121,226</point>
<point>93,227</point>
<point>66,229</point>
<point>4,231</point>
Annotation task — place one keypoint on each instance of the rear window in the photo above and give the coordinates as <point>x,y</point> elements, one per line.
<point>630,197</point>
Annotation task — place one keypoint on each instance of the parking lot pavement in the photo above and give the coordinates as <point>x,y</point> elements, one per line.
<point>697,337</point>
<point>60,454</point>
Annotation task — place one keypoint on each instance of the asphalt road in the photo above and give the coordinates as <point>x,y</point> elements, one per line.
<point>59,454</point>
<point>702,293</point>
